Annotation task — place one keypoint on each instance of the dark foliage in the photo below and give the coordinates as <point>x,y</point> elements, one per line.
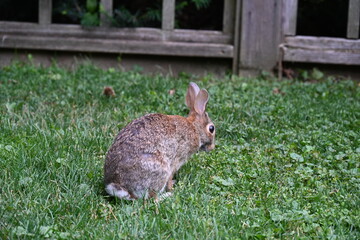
<point>19,10</point>
<point>322,18</point>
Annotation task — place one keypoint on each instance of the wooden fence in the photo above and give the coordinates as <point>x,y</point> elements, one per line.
<point>256,34</point>
<point>321,49</point>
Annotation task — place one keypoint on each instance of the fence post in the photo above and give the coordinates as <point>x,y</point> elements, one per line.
<point>353,19</point>
<point>168,15</point>
<point>45,10</point>
<point>106,12</point>
<point>261,34</point>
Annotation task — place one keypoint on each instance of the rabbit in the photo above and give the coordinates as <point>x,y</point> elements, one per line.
<point>148,152</point>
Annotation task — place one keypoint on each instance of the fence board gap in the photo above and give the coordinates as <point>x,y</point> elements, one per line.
<point>236,37</point>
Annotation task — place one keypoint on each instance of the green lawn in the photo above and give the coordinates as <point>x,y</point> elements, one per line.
<point>286,165</point>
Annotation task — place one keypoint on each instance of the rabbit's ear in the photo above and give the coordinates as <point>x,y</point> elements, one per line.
<point>200,102</point>
<point>191,94</point>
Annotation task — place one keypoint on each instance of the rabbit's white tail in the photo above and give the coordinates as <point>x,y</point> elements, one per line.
<point>117,191</point>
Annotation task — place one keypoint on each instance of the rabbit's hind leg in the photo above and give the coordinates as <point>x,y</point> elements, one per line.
<point>116,190</point>
<point>170,183</point>
<point>159,197</point>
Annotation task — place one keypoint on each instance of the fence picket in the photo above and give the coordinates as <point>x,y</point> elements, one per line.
<point>229,16</point>
<point>168,15</point>
<point>290,8</point>
<point>353,19</point>
<point>45,10</point>
<point>106,12</point>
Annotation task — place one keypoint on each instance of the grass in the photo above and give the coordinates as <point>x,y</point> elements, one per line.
<point>286,164</point>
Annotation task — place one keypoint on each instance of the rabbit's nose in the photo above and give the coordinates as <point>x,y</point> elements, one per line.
<point>209,147</point>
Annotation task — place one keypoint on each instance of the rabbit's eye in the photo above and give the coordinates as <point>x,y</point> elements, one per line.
<point>211,128</point>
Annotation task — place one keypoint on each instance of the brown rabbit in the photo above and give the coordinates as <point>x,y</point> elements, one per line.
<point>151,149</point>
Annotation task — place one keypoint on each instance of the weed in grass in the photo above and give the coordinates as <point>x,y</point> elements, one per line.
<point>286,164</point>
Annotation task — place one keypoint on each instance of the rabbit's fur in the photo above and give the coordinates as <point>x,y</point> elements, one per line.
<point>151,149</point>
